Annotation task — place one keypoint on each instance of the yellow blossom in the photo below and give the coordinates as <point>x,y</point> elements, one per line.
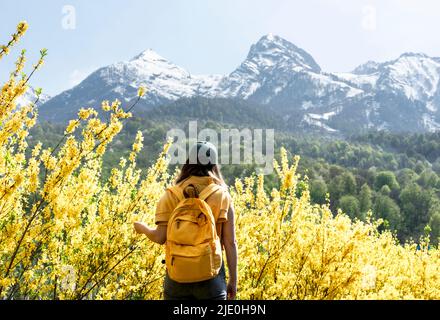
<point>66,229</point>
<point>141,91</point>
<point>84,114</point>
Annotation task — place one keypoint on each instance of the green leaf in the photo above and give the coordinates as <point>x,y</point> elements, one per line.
<point>133,194</point>
<point>43,52</point>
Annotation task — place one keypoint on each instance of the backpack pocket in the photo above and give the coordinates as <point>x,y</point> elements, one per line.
<point>189,230</point>
<point>194,266</point>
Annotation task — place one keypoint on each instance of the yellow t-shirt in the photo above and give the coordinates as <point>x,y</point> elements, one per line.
<point>219,201</point>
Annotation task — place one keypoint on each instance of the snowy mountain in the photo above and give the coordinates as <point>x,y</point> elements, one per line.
<point>30,97</point>
<point>165,82</point>
<point>268,68</point>
<point>398,95</point>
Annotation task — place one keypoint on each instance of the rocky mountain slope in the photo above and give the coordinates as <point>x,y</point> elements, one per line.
<point>398,95</point>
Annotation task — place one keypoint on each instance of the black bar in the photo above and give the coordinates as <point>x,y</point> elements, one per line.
<point>243,309</point>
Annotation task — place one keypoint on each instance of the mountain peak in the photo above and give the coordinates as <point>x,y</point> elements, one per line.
<point>367,68</point>
<point>150,63</point>
<point>272,41</point>
<point>413,55</point>
<point>148,55</point>
<point>409,58</point>
<point>270,37</point>
<point>279,50</point>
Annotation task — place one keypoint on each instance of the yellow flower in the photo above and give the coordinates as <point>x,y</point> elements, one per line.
<point>73,124</point>
<point>137,146</point>
<point>66,229</point>
<point>105,105</point>
<point>141,91</point>
<point>84,114</point>
<point>22,27</point>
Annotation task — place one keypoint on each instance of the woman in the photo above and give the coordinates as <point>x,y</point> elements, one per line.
<point>199,171</point>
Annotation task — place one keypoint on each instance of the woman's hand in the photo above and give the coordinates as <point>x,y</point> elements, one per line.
<point>140,227</point>
<point>231,290</point>
<point>158,235</point>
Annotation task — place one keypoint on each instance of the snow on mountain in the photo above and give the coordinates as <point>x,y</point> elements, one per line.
<point>363,81</point>
<point>268,67</point>
<point>165,80</point>
<point>317,122</point>
<point>30,97</point>
<point>324,116</point>
<point>414,74</point>
<point>367,68</point>
<point>402,94</point>
<point>429,123</point>
<point>266,72</point>
<point>431,106</point>
<point>326,83</point>
<point>405,92</point>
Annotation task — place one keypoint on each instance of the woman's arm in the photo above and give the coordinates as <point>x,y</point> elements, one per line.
<point>158,235</point>
<point>230,244</point>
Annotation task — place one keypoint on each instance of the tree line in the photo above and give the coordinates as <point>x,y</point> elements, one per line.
<point>395,176</point>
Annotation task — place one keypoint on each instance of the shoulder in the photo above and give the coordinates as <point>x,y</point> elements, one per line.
<point>167,202</point>
<point>169,197</point>
<point>223,196</point>
<point>222,190</point>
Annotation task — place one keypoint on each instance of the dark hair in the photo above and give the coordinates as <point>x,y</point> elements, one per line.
<point>201,170</point>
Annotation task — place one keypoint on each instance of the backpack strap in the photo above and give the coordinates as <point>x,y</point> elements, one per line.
<point>209,190</point>
<point>177,192</point>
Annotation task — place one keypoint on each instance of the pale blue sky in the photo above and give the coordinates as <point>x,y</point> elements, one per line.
<point>213,36</point>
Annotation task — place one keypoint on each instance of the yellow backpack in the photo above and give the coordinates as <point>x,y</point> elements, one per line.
<point>193,250</point>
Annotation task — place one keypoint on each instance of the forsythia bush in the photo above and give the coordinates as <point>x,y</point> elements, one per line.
<point>67,234</point>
